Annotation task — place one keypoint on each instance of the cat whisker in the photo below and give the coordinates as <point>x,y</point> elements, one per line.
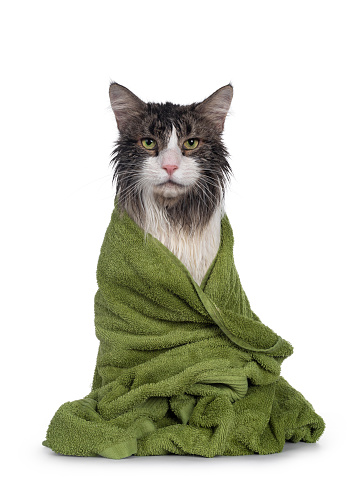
<point>203,190</point>
<point>124,195</point>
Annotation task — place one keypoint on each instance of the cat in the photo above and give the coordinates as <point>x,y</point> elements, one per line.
<point>171,171</point>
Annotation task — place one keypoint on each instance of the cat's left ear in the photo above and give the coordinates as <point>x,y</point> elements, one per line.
<point>216,106</point>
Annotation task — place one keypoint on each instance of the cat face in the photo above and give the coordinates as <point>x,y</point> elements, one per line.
<point>170,159</point>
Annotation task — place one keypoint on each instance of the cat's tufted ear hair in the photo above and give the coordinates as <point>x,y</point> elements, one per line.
<point>125,105</point>
<point>216,106</point>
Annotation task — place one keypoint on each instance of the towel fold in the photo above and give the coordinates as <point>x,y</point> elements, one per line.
<point>181,368</point>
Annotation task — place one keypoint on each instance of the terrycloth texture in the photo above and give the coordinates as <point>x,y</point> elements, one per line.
<point>181,368</point>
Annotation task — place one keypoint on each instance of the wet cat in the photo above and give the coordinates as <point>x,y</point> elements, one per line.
<point>171,171</point>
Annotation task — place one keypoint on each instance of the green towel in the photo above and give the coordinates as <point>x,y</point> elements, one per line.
<point>181,368</point>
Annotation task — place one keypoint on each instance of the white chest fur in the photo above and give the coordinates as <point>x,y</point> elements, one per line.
<point>197,250</point>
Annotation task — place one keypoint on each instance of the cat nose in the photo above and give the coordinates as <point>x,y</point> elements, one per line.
<point>170,168</point>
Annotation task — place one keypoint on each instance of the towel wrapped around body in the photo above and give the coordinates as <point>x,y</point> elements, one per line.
<point>181,368</point>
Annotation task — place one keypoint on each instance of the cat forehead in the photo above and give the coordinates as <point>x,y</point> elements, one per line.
<point>169,109</point>
<point>163,118</point>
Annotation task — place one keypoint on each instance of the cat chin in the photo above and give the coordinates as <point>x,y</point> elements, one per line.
<point>169,190</point>
<point>167,201</point>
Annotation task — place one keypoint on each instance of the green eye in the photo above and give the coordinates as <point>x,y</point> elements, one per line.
<point>191,144</point>
<point>148,143</point>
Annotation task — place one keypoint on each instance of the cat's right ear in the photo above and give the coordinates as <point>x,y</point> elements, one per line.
<point>125,105</point>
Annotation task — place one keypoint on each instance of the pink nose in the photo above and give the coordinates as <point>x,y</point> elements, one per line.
<point>170,168</point>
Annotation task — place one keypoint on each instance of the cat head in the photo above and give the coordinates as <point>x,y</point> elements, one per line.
<point>169,160</point>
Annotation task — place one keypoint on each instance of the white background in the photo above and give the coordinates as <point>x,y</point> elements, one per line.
<point>293,138</point>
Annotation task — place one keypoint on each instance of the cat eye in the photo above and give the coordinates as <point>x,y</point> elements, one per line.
<point>191,144</point>
<point>148,143</point>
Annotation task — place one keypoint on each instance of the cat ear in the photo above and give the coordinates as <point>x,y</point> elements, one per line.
<point>125,105</point>
<point>216,106</point>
